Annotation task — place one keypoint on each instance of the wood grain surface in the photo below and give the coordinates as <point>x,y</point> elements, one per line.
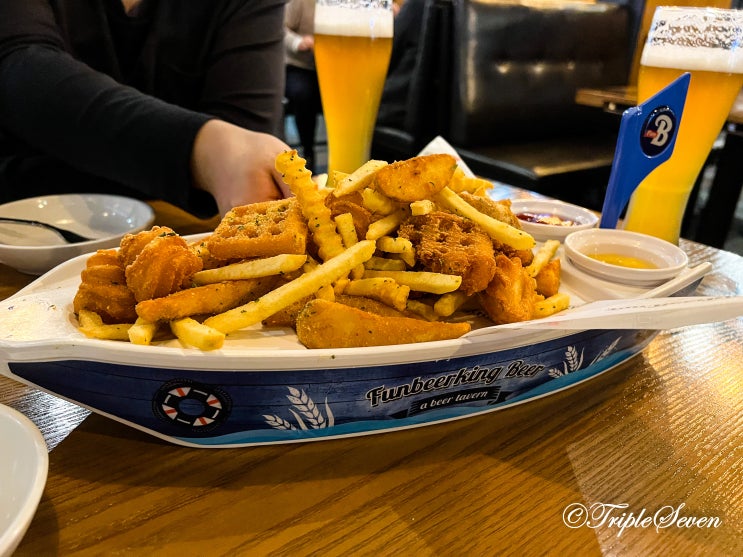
<point>661,433</point>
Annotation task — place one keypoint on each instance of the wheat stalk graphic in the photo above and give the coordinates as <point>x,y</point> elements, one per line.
<point>305,412</point>
<point>574,361</point>
<point>606,351</point>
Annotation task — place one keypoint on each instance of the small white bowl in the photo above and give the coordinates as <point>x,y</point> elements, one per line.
<point>573,217</point>
<point>104,218</point>
<point>667,258</point>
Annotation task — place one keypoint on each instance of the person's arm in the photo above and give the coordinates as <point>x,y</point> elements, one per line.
<point>62,107</point>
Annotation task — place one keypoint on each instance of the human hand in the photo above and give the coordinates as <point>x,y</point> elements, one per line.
<point>306,43</point>
<point>237,166</point>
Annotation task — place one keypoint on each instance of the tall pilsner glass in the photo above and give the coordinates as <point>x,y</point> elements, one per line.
<point>353,43</point>
<point>706,42</point>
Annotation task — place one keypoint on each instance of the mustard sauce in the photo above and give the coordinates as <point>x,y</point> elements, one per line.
<point>624,261</point>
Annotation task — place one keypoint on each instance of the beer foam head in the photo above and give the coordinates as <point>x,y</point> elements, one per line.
<point>354,19</point>
<point>706,39</point>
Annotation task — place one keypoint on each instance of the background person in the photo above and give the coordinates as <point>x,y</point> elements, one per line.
<point>166,99</point>
<point>302,89</point>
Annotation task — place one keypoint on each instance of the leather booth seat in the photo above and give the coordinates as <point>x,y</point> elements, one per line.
<point>498,78</point>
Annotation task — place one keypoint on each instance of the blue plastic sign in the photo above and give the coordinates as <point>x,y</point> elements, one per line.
<point>647,136</point>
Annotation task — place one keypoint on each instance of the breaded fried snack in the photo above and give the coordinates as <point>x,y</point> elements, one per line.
<point>132,244</point>
<point>323,324</point>
<point>259,230</point>
<point>416,178</point>
<point>511,295</point>
<point>164,265</point>
<point>103,289</point>
<point>202,300</point>
<point>449,244</point>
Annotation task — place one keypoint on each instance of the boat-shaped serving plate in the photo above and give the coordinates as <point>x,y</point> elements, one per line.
<point>264,387</point>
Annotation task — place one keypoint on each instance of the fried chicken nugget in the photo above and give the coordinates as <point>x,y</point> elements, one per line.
<point>323,324</point>
<point>511,295</point>
<point>165,264</point>
<point>450,244</point>
<point>103,289</point>
<point>548,279</point>
<point>202,300</point>
<point>416,178</point>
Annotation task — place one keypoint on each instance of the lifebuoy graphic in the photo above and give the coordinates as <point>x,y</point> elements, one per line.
<point>192,405</point>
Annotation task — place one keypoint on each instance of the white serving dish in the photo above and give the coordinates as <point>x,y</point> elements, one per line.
<point>579,217</point>
<point>104,218</point>
<point>24,463</point>
<point>669,259</point>
<point>264,387</point>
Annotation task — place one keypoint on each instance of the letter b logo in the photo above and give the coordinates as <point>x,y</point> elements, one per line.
<point>658,131</point>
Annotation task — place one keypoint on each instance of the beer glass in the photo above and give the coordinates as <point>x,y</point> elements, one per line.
<point>707,43</point>
<point>353,44</point>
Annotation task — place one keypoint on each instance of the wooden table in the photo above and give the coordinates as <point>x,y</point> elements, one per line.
<point>661,432</point>
<point>718,212</point>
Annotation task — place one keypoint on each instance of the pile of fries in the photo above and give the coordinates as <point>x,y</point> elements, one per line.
<point>346,262</point>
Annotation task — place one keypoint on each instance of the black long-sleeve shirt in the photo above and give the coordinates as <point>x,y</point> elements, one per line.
<point>94,100</point>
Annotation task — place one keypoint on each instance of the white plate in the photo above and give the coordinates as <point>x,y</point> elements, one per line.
<point>35,250</point>
<point>24,463</point>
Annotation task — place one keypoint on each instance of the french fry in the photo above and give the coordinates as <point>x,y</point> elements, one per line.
<point>92,325</point>
<point>422,207</point>
<point>461,182</point>
<point>421,281</point>
<point>385,225</point>
<point>385,264</point>
<point>497,230</point>
<point>334,177</point>
<point>401,246</point>
<point>347,229</point>
<point>193,333</point>
<point>312,202</point>
<point>142,332</point>
<point>450,302</point>
<point>359,178</point>
<point>255,268</point>
<point>551,305</point>
<point>382,289</point>
<point>543,256</point>
<point>377,202</point>
<point>422,309</point>
<point>304,285</point>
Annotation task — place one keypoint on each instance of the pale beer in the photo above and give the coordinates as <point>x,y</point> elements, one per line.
<point>353,43</point>
<point>695,40</point>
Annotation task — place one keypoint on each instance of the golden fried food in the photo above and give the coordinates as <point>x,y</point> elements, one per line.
<point>103,289</point>
<point>511,295</point>
<point>203,300</point>
<point>352,204</point>
<point>323,324</point>
<point>164,265</point>
<point>548,279</point>
<point>449,244</point>
<point>259,230</point>
<point>312,203</point>
<point>132,244</point>
<point>416,178</point>
<point>499,210</point>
